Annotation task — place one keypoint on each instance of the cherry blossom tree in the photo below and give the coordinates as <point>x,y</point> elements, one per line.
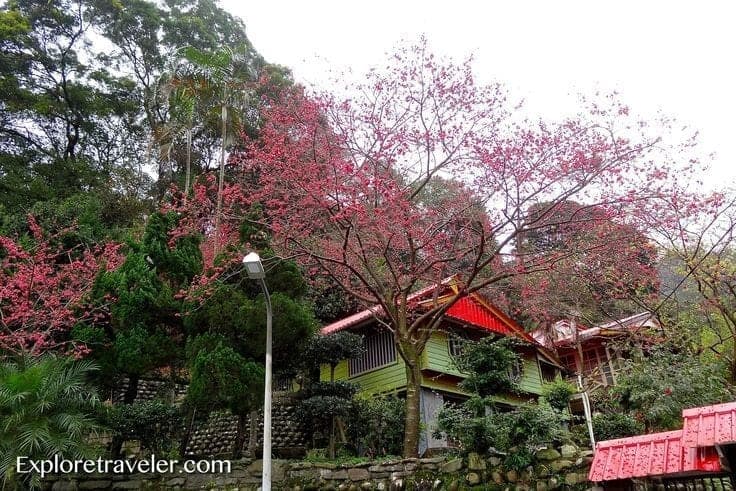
<point>43,288</point>
<point>345,186</point>
<point>614,278</point>
<point>698,234</point>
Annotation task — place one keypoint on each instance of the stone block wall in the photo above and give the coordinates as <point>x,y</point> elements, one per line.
<point>559,468</point>
<point>150,389</point>
<point>215,437</point>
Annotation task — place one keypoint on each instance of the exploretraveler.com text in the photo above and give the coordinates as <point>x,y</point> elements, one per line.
<point>150,465</point>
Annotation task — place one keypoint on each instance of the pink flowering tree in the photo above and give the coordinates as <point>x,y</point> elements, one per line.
<point>43,289</point>
<point>698,236</point>
<point>421,173</point>
<point>611,277</point>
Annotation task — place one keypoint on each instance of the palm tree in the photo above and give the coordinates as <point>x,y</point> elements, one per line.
<point>47,408</point>
<point>218,80</point>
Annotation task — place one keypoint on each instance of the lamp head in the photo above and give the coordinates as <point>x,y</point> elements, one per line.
<point>254,266</point>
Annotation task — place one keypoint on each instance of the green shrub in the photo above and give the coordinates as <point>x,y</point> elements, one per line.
<point>519,432</point>
<point>377,426</point>
<point>658,386</point>
<point>154,423</point>
<point>616,425</point>
<point>489,364</point>
<point>558,393</point>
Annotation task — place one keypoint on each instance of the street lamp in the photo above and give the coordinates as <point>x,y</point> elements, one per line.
<point>255,271</point>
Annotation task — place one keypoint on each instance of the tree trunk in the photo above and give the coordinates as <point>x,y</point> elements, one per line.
<point>189,162</point>
<point>239,437</point>
<point>221,181</point>
<point>413,391</point>
<point>253,437</point>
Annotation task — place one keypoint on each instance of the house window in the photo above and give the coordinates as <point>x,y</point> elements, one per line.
<point>379,351</point>
<point>568,361</point>
<point>548,371</point>
<point>456,344</point>
<point>590,361</point>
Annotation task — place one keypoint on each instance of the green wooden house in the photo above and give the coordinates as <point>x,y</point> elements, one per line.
<point>381,370</point>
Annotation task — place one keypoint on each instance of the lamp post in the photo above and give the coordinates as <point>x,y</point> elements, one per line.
<point>255,271</point>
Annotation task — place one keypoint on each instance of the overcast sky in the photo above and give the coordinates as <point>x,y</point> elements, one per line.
<point>677,57</point>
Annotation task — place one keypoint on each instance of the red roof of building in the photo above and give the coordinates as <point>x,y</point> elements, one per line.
<point>364,315</point>
<point>469,309</point>
<point>710,425</point>
<point>657,454</point>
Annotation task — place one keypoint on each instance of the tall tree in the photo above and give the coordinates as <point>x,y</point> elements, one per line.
<point>67,120</point>
<point>141,327</point>
<point>699,238</point>
<point>340,181</point>
<point>226,329</point>
<point>613,279</point>
<point>220,78</point>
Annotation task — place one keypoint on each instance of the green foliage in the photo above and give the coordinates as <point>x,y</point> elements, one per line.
<point>558,392</point>
<point>339,388</point>
<point>222,378</point>
<point>154,423</point>
<point>332,349</point>
<point>376,426</point>
<point>518,432</point>
<point>293,325</point>
<point>478,424</point>
<point>69,120</point>
<point>656,388</point>
<point>324,402</point>
<point>180,263</point>
<point>615,425</point>
<point>47,407</point>
<point>330,302</point>
<point>242,321</point>
<point>79,220</point>
<point>488,363</point>
<point>145,316</point>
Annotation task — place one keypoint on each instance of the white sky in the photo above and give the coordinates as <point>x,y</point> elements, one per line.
<point>677,57</point>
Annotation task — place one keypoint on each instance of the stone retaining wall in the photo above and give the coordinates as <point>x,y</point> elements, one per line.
<point>562,468</point>
<point>215,437</point>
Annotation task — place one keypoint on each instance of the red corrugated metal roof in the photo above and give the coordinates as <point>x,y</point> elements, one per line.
<point>352,320</point>
<point>658,454</point>
<point>710,425</point>
<point>467,310</point>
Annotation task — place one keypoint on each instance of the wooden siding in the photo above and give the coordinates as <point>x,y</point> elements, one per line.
<point>435,358</point>
<point>436,355</point>
<point>386,379</point>
<point>531,377</point>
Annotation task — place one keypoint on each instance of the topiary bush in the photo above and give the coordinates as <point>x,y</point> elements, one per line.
<point>154,423</point>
